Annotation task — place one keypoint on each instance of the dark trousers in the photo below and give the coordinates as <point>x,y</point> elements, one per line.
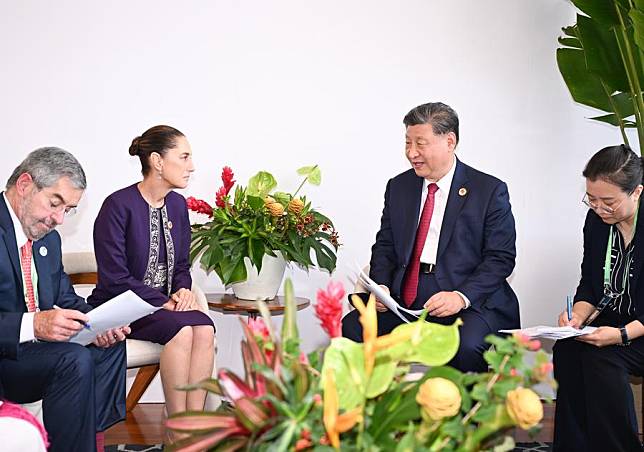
<point>82,388</point>
<point>472,333</point>
<point>594,409</point>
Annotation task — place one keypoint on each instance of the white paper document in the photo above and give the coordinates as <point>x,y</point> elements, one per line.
<point>119,311</point>
<point>386,299</point>
<point>552,332</point>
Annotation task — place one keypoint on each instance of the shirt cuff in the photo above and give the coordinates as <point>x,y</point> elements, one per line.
<point>27,327</point>
<point>465,299</point>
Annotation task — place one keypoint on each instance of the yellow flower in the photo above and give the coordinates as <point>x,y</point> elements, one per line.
<point>439,398</point>
<point>295,206</point>
<point>524,407</point>
<point>369,321</point>
<point>336,423</point>
<point>275,209</point>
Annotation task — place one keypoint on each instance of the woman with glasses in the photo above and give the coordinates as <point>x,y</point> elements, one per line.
<point>594,408</point>
<point>141,241</point>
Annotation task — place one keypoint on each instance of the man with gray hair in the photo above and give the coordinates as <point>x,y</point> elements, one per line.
<point>446,240</point>
<point>83,388</point>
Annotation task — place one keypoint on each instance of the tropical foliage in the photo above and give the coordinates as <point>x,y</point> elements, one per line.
<point>256,220</point>
<point>602,61</point>
<point>360,396</point>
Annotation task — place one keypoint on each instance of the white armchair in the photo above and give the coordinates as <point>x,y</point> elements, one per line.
<point>144,355</point>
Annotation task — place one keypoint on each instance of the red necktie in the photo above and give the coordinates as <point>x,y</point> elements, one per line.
<point>25,263</point>
<point>410,285</point>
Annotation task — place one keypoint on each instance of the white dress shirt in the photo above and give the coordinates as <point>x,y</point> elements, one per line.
<point>27,324</point>
<point>430,249</point>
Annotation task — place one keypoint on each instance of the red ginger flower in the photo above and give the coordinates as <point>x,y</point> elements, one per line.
<point>227,178</point>
<point>199,206</point>
<point>259,328</point>
<point>329,308</point>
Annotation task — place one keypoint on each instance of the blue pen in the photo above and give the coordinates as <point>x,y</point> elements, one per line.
<point>86,325</point>
<point>569,307</point>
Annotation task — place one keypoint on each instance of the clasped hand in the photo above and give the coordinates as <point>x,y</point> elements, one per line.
<point>182,300</point>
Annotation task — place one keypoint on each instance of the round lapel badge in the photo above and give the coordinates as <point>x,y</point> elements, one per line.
<point>169,224</point>
<point>43,251</point>
<point>462,191</point>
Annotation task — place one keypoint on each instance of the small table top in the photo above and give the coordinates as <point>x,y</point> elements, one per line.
<point>229,303</point>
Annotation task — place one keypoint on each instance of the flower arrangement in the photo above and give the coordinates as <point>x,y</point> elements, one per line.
<point>358,397</point>
<point>256,220</point>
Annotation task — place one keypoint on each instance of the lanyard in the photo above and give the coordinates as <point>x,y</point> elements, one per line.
<point>609,248</point>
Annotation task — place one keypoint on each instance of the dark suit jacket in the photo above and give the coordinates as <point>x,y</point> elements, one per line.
<point>476,248</point>
<point>54,286</point>
<point>591,284</point>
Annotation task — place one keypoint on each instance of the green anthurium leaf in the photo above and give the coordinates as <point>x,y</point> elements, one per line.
<point>346,358</point>
<point>602,54</point>
<point>281,197</point>
<point>261,184</point>
<point>431,344</point>
<point>381,377</point>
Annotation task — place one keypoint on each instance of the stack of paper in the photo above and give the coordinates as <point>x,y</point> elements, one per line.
<point>119,311</point>
<point>552,332</point>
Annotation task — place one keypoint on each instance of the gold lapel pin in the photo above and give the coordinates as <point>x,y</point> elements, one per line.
<point>169,224</point>
<point>462,191</point>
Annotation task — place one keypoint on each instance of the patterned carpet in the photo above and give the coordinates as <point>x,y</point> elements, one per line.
<point>521,447</point>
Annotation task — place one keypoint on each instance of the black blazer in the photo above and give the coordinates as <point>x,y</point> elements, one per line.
<point>591,284</point>
<point>54,286</point>
<point>476,249</point>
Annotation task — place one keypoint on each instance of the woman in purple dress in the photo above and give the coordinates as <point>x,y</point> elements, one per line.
<point>141,241</point>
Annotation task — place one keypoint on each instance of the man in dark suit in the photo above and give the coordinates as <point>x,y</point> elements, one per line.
<point>83,388</point>
<point>446,240</point>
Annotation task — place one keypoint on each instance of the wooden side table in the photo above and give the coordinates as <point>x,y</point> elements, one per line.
<point>230,304</point>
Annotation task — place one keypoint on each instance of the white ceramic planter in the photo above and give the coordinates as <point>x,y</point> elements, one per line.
<point>265,285</point>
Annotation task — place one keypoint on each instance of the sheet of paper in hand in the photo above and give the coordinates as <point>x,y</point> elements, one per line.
<point>119,311</point>
<point>552,332</point>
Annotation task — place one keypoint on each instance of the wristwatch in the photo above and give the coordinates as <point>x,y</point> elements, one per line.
<point>624,333</point>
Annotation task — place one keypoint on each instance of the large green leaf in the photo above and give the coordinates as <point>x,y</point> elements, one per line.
<point>585,87</point>
<point>602,55</point>
<point>602,11</point>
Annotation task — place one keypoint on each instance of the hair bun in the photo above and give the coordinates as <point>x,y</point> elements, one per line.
<point>134,147</point>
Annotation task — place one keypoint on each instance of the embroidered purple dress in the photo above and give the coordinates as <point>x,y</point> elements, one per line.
<point>146,250</point>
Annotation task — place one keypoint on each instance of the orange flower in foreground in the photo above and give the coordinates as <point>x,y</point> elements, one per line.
<point>336,423</point>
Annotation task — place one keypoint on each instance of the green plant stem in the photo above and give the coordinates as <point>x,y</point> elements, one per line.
<point>622,126</point>
<point>631,72</point>
<point>303,182</point>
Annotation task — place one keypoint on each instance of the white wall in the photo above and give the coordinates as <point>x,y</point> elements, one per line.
<point>276,85</point>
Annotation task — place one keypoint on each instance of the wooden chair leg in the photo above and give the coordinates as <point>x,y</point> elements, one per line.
<point>141,382</point>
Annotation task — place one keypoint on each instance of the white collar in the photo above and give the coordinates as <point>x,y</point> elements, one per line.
<point>445,182</point>
<point>21,238</point>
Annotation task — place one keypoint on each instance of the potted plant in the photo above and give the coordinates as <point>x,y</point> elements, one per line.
<point>253,232</point>
<point>357,397</point>
<point>601,61</point>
